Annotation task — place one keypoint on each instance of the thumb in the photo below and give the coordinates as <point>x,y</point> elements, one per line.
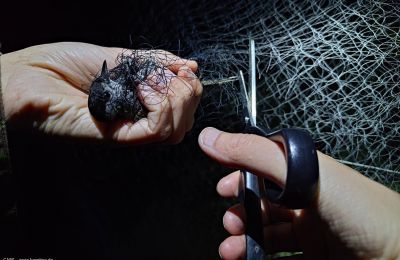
<point>253,153</point>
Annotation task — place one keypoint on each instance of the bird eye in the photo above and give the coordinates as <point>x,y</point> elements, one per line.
<point>107,95</point>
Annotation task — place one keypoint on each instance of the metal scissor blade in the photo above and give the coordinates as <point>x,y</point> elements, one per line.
<point>244,97</point>
<point>245,100</point>
<point>252,82</point>
<point>251,188</point>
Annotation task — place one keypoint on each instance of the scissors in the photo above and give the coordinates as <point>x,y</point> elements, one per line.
<point>302,168</point>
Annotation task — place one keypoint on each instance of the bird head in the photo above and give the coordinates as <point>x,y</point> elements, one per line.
<point>102,97</point>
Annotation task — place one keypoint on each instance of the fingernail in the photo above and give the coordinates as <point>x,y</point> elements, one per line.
<point>223,220</point>
<point>193,64</point>
<point>219,252</point>
<point>209,135</point>
<point>233,220</point>
<point>187,71</point>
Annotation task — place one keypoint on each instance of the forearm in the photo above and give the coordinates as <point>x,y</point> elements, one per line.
<point>372,213</point>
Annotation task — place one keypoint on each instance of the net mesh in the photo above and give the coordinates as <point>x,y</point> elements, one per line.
<point>330,67</point>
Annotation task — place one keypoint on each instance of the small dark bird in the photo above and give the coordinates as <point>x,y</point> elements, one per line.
<point>113,94</point>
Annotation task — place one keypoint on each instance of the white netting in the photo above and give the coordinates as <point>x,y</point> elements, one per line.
<point>330,67</point>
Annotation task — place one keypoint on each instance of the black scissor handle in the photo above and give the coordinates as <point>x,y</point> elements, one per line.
<point>299,191</point>
<point>250,195</point>
<point>302,168</point>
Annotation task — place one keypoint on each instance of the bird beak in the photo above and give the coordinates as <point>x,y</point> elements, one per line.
<point>104,71</point>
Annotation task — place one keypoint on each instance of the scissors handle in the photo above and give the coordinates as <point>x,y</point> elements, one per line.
<point>302,168</point>
<point>299,191</point>
<point>251,194</point>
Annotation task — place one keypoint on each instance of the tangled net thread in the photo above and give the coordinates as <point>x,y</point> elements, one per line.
<point>139,76</point>
<point>331,68</point>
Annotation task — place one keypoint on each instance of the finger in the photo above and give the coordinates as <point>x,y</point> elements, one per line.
<point>280,238</point>
<point>171,61</point>
<point>178,95</point>
<point>233,247</point>
<point>188,76</point>
<point>196,91</point>
<point>184,95</point>
<point>254,153</point>
<point>185,73</point>
<point>234,220</point>
<point>157,127</point>
<point>228,187</point>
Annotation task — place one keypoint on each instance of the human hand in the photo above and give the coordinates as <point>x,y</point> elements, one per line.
<point>45,88</point>
<point>353,217</point>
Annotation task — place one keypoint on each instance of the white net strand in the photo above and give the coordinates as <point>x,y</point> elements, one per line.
<point>330,67</point>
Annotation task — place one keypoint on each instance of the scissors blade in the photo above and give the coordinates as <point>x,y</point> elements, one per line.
<point>252,82</point>
<point>251,190</point>
<point>245,99</point>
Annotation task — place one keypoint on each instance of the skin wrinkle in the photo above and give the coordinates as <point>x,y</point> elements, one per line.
<point>64,73</point>
<point>78,118</point>
<point>57,112</point>
<point>69,119</point>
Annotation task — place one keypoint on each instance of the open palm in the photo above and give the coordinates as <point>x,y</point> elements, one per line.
<point>45,88</point>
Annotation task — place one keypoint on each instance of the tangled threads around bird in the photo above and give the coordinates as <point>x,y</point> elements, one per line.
<point>120,93</point>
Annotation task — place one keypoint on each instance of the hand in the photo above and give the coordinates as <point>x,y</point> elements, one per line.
<point>353,217</point>
<point>45,88</point>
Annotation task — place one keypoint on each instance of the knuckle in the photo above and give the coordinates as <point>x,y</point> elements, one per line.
<point>198,88</point>
<point>163,133</point>
<point>164,52</point>
<point>181,89</point>
<point>175,81</point>
<point>190,124</point>
<point>159,131</point>
<point>195,65</point>
<point>188,87</point>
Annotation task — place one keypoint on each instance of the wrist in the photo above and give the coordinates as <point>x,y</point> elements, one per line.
<point>10,63</point>
<point>4,153</point>
<point>364,211</point>
<point>4,77</point>
<point>4,73</point>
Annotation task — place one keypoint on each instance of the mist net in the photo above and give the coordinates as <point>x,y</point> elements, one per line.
<point>330,67</point>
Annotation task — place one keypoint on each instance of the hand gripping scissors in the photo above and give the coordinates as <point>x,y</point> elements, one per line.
<point>302,168</point>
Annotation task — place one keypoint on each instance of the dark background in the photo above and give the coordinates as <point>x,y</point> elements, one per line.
<point>85,201</point>
<point>119,23</point>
